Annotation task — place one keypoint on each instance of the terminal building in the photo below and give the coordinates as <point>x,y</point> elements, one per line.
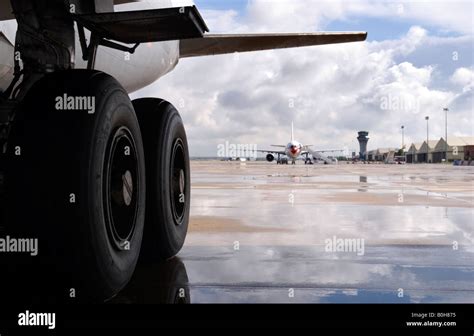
<point>457,148</point>
<point>382,154</point>
<point>412,151</point>
<point>425,153</point>
<point>435,151</point>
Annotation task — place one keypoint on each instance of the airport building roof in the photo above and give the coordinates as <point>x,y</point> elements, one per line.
<point>414,147</point>
<point>434,146</point>
<point>460,141</point>
<point>453,141</point>
<point>428,147</point>
<point>386,150</point>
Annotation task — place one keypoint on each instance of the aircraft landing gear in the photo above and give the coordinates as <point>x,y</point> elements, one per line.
<point>168,178</point>
<point>75,163</point>
<point>75,180</point>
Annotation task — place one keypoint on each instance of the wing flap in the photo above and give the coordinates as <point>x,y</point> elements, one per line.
<point>225,44</point>
<point>146,25</point>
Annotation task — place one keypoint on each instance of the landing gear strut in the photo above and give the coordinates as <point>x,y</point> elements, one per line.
<point>78,175</point>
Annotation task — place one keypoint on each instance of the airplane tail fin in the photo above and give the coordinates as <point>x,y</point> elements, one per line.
<point>292,132</point>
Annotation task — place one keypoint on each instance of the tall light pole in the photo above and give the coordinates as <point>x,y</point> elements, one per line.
<point>427,118</point>
<point>446,110</point>
<point>403,138</point>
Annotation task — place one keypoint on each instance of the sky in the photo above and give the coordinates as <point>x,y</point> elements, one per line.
<point>417,60</point>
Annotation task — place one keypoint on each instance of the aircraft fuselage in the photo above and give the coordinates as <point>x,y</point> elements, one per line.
<point>293,150</point>
<point>150,61</point>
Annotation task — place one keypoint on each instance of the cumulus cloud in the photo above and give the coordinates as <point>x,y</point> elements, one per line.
<point>330,92</point>
<point>464,77</point>
<point>305,15</point>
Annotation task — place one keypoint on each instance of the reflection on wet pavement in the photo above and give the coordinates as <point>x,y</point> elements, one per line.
<point>159,283</point>
<point>260,232</point>
<point>269,274</point>
<point>287,274</point>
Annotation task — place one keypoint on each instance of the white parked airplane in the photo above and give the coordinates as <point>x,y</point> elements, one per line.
<point>293,150</point>
<point>101,179</point>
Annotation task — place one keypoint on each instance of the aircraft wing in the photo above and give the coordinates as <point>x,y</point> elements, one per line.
<point>271,152</point>
<point>328,151</point>
<point>225,44</point>
<point>187,25</point>
<point>280,152</point>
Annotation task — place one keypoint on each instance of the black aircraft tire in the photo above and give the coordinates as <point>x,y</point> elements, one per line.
<point>168,178</point>
<point>78,183</point>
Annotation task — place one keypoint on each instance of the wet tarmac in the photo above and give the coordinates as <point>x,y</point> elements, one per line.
<point>322,234</point>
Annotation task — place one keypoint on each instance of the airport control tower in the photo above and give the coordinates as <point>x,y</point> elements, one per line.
<point>363,139</point>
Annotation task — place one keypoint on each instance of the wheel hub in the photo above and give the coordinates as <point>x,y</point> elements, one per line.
<point>182,181</point>
<point>127,180</point>
<point>178,182</point>
<point>120,188</point>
